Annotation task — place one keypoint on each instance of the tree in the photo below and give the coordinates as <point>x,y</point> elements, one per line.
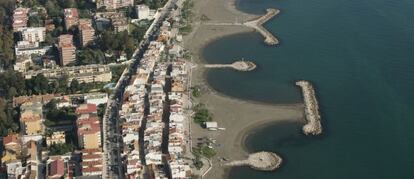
<point>60,149</point>
<point>74,85</point>
<point>35,21</point>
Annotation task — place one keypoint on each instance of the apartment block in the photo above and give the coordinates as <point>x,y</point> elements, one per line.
<point>92,162</point>
<point>67,51</point>
<point>87,32</point>
<point>84,74</point>
<point>71,17</point>
<point>20,18</point>
<point>114,4</point>
<point>34,34</point>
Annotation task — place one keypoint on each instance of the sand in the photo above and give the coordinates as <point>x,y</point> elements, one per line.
<point>238,117</point>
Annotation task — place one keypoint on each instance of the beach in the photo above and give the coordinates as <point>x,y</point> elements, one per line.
<point>238,117</point>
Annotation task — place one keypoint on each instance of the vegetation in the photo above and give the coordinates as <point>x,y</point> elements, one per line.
<point>205,151</point>
<point>55,116</point>
<point>196,91</point>
<point>101,110</point>
<point>8,118</point>
<point>6,34</point>
<point>186,29</point>
<point>90,56</point>
<point>201,114</point>
<point>153,4</point>
<point>60,149</point>
<point>117,72</point>
<point>186,15</point>
<point>186,11</point>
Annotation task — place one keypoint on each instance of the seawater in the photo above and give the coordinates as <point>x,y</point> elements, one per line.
<point>359,54</point>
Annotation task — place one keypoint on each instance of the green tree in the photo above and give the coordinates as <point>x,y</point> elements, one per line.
<point>74,85</point>
<point>60,149</point>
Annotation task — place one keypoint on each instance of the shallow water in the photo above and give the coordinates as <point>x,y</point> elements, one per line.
<point>360,56</point>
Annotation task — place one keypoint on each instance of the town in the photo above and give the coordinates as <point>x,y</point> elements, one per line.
<point>97,89</point>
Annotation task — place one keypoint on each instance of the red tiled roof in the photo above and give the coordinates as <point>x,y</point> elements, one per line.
<point>11,138</point>
<point>86,108</point>
<point>57,168</point>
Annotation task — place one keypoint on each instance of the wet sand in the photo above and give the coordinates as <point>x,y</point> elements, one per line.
<point>238,117</point>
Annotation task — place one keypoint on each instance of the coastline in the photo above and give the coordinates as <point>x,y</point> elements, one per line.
<point>238,116</point>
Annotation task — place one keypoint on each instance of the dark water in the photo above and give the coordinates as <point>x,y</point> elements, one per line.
<point>360,56</point>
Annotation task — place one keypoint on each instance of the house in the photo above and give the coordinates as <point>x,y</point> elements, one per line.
<point>86,109</point>
<point>56,138</point>
<point>12,142</point>
<point>56,169</point>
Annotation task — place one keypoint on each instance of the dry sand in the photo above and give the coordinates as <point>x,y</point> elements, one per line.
<point>239,117</point>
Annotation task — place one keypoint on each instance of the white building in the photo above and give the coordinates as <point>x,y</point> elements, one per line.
<point>15,169</point>
<point>34,34</point>
<point>23,63</point>
<point>96,98</point>
<point>28,48</point>
<point>143,11</point>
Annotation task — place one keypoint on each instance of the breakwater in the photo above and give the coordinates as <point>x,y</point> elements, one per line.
<point>257,24</point>
<point>313,125</point>
<point>240,65</point>
<point>264,161</point>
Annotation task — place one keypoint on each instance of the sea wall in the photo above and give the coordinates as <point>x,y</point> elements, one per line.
<point>313,125</point>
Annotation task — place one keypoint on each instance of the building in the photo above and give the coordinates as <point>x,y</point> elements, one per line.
<point>86,109</point>
<point>15,169</point>
<point>114,4</point>
<point>12,143</point>
<point>31,118</point>
<point>34,34</point>
<point>84,74</point>
<point>88,126</point>
<point>71,17</point>
<point>143,11</point>
<point>23,63</point>
<point>20,18</point>
<point>120,23</point>
<point>211,126</point>
<point>56,169</point>
<point>67,51</point>
<point>92,162</point>
<point>56,138</point>
<point>28,48</point>
<point>96,98</point>
<point>86,31</point>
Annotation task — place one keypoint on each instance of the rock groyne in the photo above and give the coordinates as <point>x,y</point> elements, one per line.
<point>264,161</point>
<point>240,65</point>
<point>257,24</point>
<point>313,125</point>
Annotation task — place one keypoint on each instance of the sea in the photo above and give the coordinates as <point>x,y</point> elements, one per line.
<point>359,54</point>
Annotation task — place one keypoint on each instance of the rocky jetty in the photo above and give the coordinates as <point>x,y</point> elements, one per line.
<point>240,65</point>
<point>257,24</point>
<point>313,125</point>
<point>264,161</point>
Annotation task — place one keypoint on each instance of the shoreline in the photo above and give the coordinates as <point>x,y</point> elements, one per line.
<point>239,117</point>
